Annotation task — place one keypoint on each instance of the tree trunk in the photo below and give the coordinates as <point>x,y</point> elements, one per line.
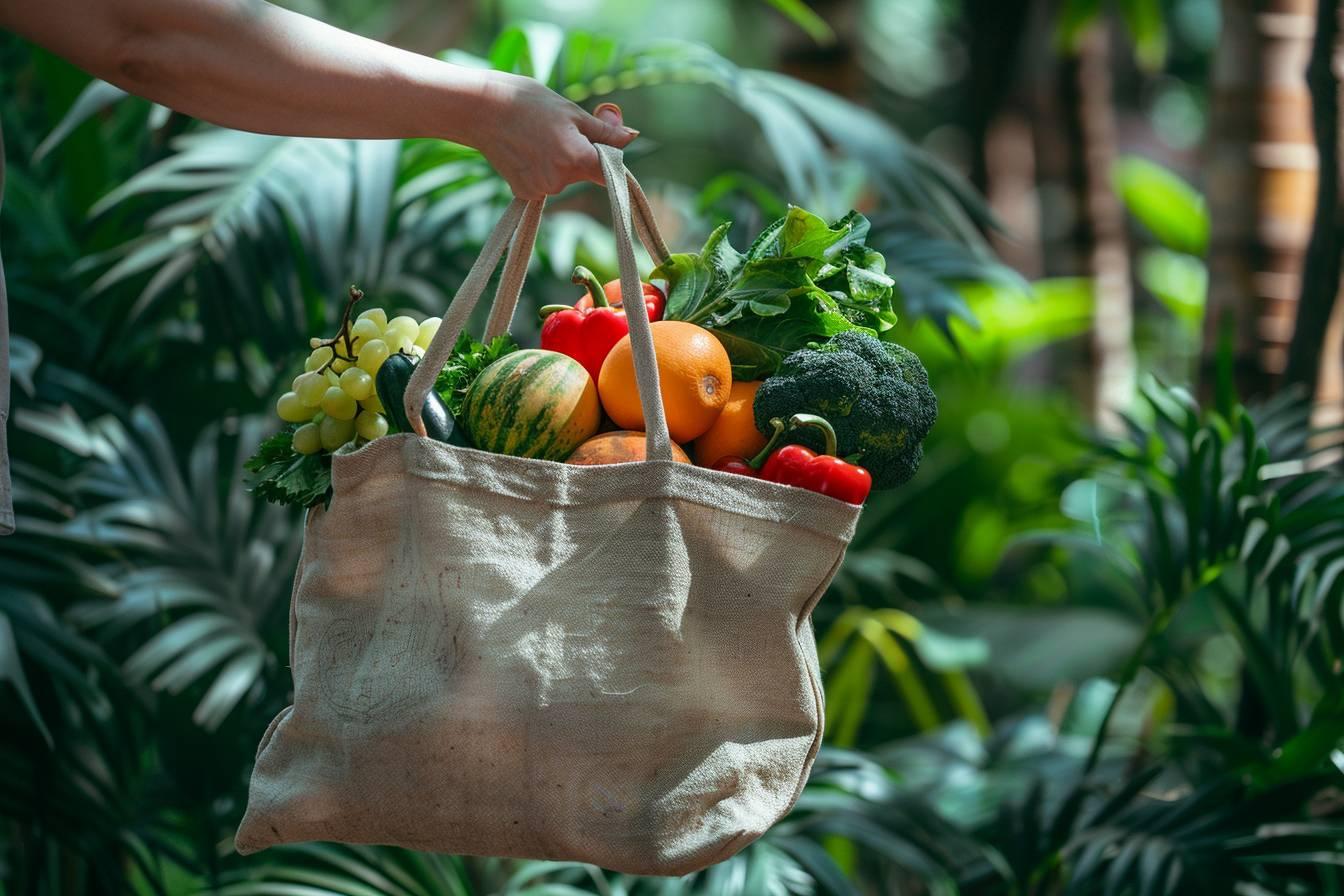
<point>1093,120</point>
<point>1260,202</point>
<point>1286,152</point>
<point>1010,175</point>
<point>1231,187</point>
<point>1012,55</point>
<point>995,34</point>
<point>1321,270</point>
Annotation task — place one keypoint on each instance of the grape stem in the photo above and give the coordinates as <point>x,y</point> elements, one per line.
<point>342,335</point>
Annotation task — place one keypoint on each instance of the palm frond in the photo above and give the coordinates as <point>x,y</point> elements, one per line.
<point>191,570</point>
<point>319,869</point>
<point>864,639</point>
<point>74,785</point>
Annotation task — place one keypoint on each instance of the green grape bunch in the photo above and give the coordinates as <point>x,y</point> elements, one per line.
<point>334,399</point>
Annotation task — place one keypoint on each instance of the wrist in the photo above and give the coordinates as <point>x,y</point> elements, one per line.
<point>458,103</point>
<point>493,96</point>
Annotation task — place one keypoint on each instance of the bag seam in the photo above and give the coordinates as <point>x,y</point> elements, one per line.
<point>270,731</point>
<point>308,522</point>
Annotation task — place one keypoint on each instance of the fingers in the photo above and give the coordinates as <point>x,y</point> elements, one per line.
<point>572,157</point>
<point>592,167</point>
<point>605,126</point>
<point>609,112</point>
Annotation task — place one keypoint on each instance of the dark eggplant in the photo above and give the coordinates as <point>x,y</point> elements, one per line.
<point>391,383</point>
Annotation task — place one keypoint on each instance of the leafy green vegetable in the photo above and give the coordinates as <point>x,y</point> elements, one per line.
<point>803,280</point>
<point>468,359</point>
<point>286,477</point>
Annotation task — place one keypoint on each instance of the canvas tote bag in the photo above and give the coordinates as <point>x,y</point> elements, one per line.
<point>502,656</point>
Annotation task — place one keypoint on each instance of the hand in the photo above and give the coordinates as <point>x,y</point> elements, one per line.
<point>539,141</point>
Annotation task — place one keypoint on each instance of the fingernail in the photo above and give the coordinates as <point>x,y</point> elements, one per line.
<point>608,107</point>
<point>632,132</point>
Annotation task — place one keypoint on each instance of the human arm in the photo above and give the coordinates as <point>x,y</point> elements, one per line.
<point>249,65</point>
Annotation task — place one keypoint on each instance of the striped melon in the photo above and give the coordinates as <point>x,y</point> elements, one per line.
<point>532,403</point>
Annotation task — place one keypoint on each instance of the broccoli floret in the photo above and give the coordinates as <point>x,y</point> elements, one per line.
<point>875,394</point>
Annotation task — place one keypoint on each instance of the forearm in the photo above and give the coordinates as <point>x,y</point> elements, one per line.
<point>249,65</point>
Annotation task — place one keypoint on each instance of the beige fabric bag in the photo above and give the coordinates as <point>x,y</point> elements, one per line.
<point>501,656</point>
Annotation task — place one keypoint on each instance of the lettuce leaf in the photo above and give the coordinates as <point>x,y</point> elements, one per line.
<point>803,280</point>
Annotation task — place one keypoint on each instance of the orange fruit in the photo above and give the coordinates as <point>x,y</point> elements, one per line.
<point>694,375</point>
<point>734,432</point>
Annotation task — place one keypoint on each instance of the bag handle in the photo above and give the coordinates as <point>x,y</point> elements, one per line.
<point>517,230</point>
<point>506,299</point>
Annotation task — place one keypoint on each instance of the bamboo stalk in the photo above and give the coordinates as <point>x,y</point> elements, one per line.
<point>1108,256</point>
<point>1261,198</point>
<point>1321,269</point>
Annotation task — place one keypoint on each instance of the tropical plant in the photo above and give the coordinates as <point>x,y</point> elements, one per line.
<point>1185,634</point>
<point>872,637</point>
<point>1217,527</point>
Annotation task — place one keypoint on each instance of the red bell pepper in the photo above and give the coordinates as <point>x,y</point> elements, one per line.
<point>654,299</point>
<point>800,466</point>
<point>588,330</point>
<point>733,463</point>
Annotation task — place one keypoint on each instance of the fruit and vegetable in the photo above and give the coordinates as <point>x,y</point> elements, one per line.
<point>734,431</point>
<point>694,377</point>
<point>532,403</point>
<point>802,467</point>
<point>802,280</point>
<point>588,330</point>
<point>620,446</point>
<point>875,394</point>
<point>777,363</point>
<point>393,378</point>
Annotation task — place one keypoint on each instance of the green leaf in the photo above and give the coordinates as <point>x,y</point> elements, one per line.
<point>11,670</point>
<point>1062,307</point>
<point>469,357</point>
<point>94,98</point>
<point>867,284</point>
<point>765,288</point>
<point>949,653</point>
<point>1177,280</point>
<point>1307,751</point>
<point>724,262</point>
<point>688,278</point>
<point>766,244</point>
<point>1172,210</point>
<point>806,18</point>
<point>510,52</point>
<point>757,344</point>
<point>1034,648</point>
<point>286,477</point>
<point>696,280</point>
<point>1148,29</point>
<point>805,235</point>
<point>766,304</point>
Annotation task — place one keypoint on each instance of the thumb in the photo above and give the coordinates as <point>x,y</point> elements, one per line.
<point>606,127</point>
